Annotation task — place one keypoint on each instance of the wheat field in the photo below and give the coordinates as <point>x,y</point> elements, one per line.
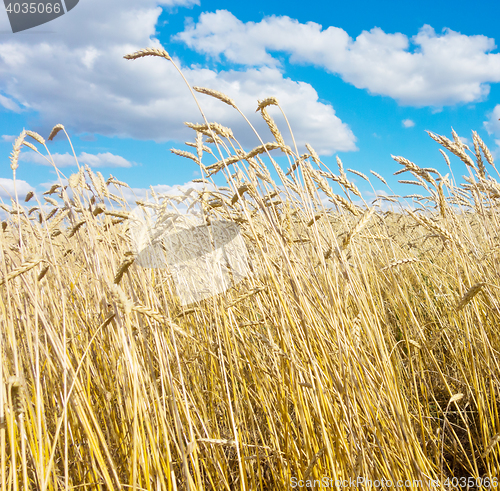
<point>362,345</point>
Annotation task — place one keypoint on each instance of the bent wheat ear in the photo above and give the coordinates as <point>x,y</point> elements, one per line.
<point>469,295</point>
<point>187,155</point>
<point>55,130</point>
<point>379,177</point>
<point>218,95</point>
<point>269,101</point>
<point>125,264</point>
<point>262,149</point>
<point>30,145</point>
<point>148,52</point>
<point>35,136</point>
<point>360,174</point>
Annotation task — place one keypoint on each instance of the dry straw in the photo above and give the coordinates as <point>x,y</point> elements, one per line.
<point>341,330</point>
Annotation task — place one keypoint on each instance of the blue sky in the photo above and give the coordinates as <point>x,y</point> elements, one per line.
<point>361,80</point>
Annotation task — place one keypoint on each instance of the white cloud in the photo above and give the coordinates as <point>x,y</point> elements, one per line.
<point>426,70</point>
<point>496,151</point>
<point>8,138</point>
<point>408,123</point>
<point>9,104</point>
<point>492,125</point>
<point>7,188</point>
<point>107,20</point>
<point>106,159</point>
<point>63,160</point>
<point>311,121</point>
<point>78,77</point>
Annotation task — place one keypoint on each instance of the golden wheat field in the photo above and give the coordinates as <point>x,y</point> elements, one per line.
<point>360,350</point>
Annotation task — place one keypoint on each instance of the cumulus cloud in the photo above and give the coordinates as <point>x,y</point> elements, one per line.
<point>427,70</point>
<point>8,138</point>
<point>408,123</point>
<point>78,77</point>
<point>7,188</point>
<point>311,121</point>
<point>496,151</point>
<point>492,124</point>
<point>9,104</point>
<point>106,159</point>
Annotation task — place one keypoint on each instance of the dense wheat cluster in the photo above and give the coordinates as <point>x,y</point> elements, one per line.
<point>363,343</point>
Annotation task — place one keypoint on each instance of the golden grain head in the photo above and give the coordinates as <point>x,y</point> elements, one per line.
<point>379,177</point>
<point>148,52</point>
<point>18,143</point>
<point>269,101</point>
<point>218,95</point>
<point>55,130</point>
<point>35,137</point>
